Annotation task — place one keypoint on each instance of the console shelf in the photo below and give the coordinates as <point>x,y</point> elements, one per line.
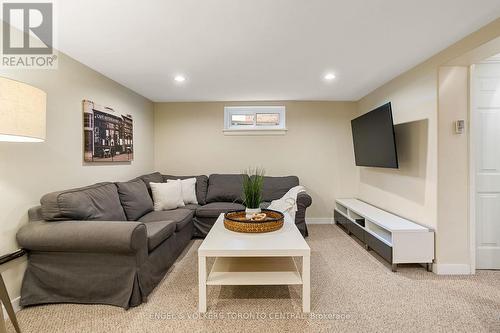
<point>394,238</point>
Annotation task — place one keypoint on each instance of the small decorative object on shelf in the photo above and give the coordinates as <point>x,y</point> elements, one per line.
<point>252,191</point>
<point>266,221</point>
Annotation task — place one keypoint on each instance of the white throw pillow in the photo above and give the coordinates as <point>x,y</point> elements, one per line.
<point>167,195</point>
<point>188,190</point>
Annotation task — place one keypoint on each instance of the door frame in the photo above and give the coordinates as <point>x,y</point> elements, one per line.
<point>472,169</point>
<point>474,56</point>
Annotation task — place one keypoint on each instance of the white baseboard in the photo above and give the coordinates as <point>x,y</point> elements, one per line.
<point>15,305</point>
<point>319,220</point>
<point>451,269</point>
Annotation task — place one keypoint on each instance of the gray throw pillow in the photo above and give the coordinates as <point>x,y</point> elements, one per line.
<point>98,202</point>
<point>225,188</point>
<point>275,188</point>
<point>154,177</point>
<point>135,198</point>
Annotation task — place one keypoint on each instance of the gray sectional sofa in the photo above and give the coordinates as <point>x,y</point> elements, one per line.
<point>104,243</point>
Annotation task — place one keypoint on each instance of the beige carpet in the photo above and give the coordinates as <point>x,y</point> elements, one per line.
<point>352,290</point>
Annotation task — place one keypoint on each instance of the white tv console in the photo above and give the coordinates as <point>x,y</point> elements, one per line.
<point>394,238</point>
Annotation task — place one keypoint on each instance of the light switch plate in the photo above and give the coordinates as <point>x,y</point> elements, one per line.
<point>459,126</point>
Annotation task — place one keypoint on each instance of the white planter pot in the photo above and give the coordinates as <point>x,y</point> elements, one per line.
<point>250,212</point>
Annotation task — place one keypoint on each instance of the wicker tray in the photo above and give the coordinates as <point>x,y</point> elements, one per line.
<point>236,221</point>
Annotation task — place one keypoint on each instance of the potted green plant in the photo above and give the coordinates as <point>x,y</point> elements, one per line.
<point>252,191</point>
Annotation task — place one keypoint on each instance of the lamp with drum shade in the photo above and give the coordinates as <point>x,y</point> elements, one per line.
<point>22,119</point>
<point>22,112</point>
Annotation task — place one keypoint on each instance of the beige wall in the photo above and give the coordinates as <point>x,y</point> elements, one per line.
<point>416,95</point>
<point>409,191</point>
<point>453,165</point>
<point>317,146</point>
<point>28,170</point>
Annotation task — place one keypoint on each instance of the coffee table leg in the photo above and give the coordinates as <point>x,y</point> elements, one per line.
<point>306,284</point>
<point>202,284</point>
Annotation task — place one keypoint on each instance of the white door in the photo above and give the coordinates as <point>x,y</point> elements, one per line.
<point>486,113</point>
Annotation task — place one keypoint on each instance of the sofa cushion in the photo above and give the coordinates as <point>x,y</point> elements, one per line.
<point>158,231</point>
<point>154,177</point>
<point>182,217</point>
<point>98,202</point>
<point>225,188</point>
<point>201,186</point>
<point>134,198</point>
<point>275,188</point>
<point>192,207</point>
<point>214,209</point>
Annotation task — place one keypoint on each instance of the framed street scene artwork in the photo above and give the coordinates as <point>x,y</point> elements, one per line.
<point>108,134</point>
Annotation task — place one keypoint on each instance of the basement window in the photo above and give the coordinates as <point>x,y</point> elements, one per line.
<point>254,120</point>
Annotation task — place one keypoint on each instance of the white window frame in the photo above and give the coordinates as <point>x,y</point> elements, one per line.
<point>230,129</point>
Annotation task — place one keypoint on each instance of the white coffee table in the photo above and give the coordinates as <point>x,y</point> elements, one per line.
<point>254,259</point>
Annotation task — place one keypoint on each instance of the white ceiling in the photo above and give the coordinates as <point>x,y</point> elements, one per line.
<point>262,49</point>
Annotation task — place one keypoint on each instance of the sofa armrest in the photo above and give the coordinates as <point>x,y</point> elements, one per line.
<point>304,200</point>
<point>84,236</point>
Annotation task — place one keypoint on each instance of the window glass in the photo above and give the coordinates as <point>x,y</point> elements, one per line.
<point>268,119</point>
<point>242,119</point>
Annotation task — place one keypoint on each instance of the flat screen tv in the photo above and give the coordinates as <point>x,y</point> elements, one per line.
<point>374,139</point>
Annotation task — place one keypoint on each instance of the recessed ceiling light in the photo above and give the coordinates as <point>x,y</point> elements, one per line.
<point>329,76</point>
<point>179,78</point>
